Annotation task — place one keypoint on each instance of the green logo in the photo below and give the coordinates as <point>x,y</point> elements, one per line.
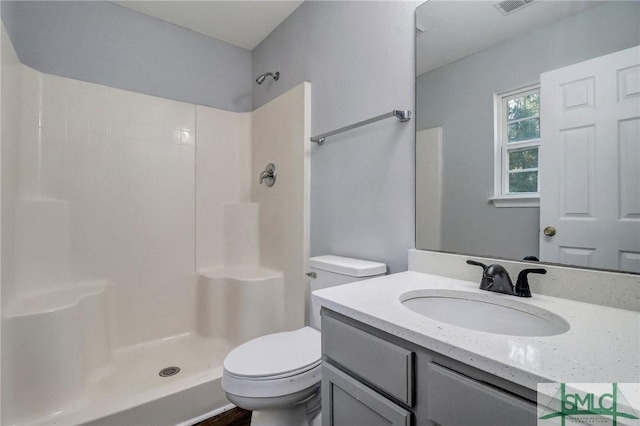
<point>589,407</point>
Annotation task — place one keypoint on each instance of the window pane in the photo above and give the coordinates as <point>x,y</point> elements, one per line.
<point>523,107</point>
<point>523,159</point>
<point>523,182</point>
<point>524,130</point>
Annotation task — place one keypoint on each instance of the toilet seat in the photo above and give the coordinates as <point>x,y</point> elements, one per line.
<point>274,365</point>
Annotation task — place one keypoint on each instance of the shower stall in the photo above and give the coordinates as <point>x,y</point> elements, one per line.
<point>138,247</point>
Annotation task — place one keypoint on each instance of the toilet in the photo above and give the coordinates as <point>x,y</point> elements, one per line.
<point>277,376</point>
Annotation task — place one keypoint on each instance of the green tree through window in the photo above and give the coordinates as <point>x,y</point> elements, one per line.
<point>519,141</point>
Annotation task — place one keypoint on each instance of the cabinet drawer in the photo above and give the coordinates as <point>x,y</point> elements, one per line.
<point>384,365</point>
<point>456,400</point>
<point>346,402</point>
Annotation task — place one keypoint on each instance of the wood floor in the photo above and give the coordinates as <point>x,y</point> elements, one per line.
<point>233,417</point>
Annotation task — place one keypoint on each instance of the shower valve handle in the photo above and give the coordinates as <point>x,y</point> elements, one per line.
<point>268,176</point>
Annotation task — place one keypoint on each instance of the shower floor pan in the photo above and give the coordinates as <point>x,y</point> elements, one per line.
<point>132,392</point>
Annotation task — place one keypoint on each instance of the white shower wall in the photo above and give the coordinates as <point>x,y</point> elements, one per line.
<point>9,106</point>
<point>111,188</point>
<point>9,154</point>
<point>223,173</point>
<point>281,132</point>
<point>127,219</point>
<point>107,184</point>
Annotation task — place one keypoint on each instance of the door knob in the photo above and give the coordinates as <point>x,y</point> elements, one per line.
<point>549,231</point>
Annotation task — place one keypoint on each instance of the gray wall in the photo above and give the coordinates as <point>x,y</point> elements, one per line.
<point>459,97</point>
<point>359,58</point>
<point>104,43</point>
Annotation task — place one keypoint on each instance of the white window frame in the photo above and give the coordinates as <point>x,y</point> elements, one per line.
<point>501,197</point>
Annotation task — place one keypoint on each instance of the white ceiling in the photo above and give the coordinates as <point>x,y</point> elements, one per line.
<point>239,22</point>
<point>456,29</point>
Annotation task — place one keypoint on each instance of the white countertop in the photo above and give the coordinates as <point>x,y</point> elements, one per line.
<point>602,345</point>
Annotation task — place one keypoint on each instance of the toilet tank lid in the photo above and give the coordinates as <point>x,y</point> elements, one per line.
<point>347,266</point>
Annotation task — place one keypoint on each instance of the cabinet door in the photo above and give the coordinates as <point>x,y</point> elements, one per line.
<point>362,353</point>
<point>347,402</point>
<point>457,400</point>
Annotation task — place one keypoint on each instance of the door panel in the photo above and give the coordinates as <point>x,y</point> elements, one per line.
<point>347,402</point>
<point>590,162</point>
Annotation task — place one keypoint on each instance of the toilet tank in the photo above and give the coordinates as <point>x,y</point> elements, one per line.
<point>330,270</point>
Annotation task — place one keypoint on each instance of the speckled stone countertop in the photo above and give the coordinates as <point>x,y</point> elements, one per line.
<point>601,346</point>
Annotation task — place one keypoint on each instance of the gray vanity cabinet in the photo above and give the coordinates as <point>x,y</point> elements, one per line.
<point>353,403</point>
<point>387,370</point>
<point>370,378</point>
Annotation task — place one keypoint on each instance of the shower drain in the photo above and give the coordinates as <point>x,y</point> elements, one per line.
<point>169,371</point>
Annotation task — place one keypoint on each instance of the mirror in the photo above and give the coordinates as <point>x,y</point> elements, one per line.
<point>517,151</point>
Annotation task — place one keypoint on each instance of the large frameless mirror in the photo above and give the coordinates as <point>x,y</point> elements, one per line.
<point>528,130</point>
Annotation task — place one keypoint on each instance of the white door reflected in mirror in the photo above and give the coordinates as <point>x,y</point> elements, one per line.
<point>590,163</point>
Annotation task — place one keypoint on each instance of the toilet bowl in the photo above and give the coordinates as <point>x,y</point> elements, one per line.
<point>277,376</point>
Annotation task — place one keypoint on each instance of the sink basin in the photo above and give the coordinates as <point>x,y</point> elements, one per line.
<point>485,312</point>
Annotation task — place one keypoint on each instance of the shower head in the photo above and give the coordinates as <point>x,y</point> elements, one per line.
<point>261,79</point>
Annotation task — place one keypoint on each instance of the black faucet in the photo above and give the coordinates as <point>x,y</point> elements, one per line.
<point>522,284</point>
<point>495,278</point>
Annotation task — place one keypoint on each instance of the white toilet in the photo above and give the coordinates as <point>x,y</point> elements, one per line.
<point>277,376</point>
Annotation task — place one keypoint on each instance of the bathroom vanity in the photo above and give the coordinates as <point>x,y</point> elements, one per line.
<point>386,364</point>
<point>374,378</point>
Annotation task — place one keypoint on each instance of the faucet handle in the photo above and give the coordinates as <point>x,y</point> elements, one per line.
<point>483,280</point>
<point>522,284</point>
<point>473,262</point>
